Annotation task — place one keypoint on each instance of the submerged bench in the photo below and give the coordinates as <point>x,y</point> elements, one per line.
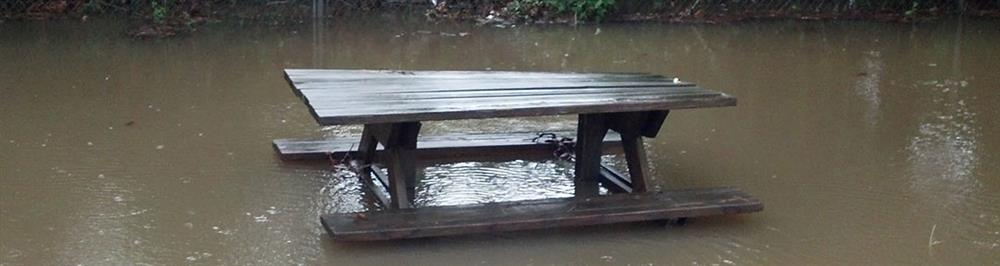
<point>537,214</point>
<point>392,104</point>
<point>445,146</point>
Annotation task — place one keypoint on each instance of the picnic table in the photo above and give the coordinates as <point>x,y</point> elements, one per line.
<point>392,104</point>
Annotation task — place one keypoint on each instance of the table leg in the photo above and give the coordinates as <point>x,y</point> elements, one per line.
<point>589,139</point>
<point>402,176</point>
<point>635,157</point>
<point>363,163</point>
<point>366,148</point>
<point>633,126</point>
<point>400,142</point>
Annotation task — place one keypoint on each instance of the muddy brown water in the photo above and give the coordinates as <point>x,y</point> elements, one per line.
<point>869,143</point>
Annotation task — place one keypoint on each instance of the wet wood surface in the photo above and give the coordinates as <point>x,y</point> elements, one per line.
<point>385,96</point>
<point>516,145</point>
<point>537,214</point>
<point>391,105</point>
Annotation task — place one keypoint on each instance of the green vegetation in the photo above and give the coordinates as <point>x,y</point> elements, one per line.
<point>581,10</point>
<point>913,9</point>
<point>165,11</point>
<point>159,12</point>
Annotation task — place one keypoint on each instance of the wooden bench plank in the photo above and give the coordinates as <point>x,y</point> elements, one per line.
<point>469,85</point>
<point>537,214</point>
<point>367,74</point>
<point>507,95</point>
<point>533,108</point>
<point>365,96</point>
<point>473,146</point>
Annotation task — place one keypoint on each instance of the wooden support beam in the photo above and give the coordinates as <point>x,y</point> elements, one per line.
<point>380,175</point>
<point>633,126</point>
<point>367,146</point>
<point>365,156</point>
<point>590,136</point>
<point>653,123</point>
<point>635,157</point>
<point>402,177</point>
<point>400,141</point>
<point>614,181</point>
<point>645,123</point>
<point>380,194</point>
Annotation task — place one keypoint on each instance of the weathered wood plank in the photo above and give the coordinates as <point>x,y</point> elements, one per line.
<point>615,181</point>
<point>590,134</point>
<point>536,107</point>
<point>375,173</point>
<point>351,74</point>
<point>635,157</point>
<point>516,145</point>
<point>507,95</point>
<point>537,214</point>
<point>400,145</point>
<point>365,96</point>
<point>346,105</point>
<point>473,86</point>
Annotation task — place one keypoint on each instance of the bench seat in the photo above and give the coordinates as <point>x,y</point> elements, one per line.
<point>537,214</point>
<point>475,146</point>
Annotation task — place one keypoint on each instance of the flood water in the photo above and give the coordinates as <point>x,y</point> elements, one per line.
<point>869,143</point>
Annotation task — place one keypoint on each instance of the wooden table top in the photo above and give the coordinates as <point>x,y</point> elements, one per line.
<point>340,96</point>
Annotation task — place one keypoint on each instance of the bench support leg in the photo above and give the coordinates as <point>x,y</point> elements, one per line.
<point>632,126</point>
<point>635,157</point>
<point>402,177</point>
<point>400,142</point>
<point>590,137</point>
<point>363,162</point>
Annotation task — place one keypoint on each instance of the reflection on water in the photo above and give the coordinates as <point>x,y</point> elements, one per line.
<point>868,85</point>
<point>943,153</point>
<point>861,138</point>
<point>475,182</point>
